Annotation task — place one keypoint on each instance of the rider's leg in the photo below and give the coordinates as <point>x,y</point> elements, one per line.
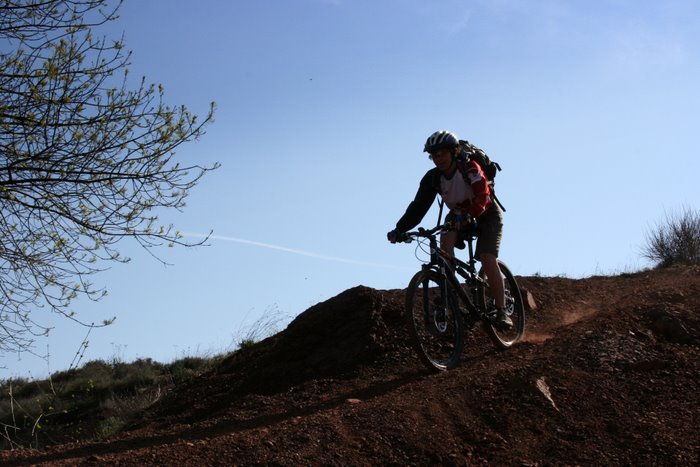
<point>490,229</point>
<point>493,274</point>
<point>447,243</point>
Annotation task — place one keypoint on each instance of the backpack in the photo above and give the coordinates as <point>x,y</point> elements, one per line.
<point>491,168</point>
<point>471,152</point>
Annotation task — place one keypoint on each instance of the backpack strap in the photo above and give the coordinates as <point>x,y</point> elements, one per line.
<point>500,205</point>
<point>441,203</point>
<point>436,187</point>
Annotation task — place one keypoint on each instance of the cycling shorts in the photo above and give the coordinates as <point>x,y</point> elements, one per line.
<point>489,231</point>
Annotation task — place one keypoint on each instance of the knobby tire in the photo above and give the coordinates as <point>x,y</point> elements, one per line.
<point>434,320</point>
<point>504,339</point>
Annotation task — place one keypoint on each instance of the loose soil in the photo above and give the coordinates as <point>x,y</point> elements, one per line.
<point>608,374</point>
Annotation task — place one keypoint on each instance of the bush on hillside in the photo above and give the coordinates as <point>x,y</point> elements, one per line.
<point>675,241</point>
<point>91,402</point>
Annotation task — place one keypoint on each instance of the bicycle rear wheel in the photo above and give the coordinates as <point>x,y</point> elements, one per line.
<point>504,338</point>
<point>434,320</point>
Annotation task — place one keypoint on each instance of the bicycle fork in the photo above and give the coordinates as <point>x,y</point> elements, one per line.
<point>435,315</point>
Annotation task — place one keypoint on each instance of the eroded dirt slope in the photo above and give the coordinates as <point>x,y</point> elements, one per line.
<point>608,374</point>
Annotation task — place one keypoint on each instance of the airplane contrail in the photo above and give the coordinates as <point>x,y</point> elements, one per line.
<point>292,250</point>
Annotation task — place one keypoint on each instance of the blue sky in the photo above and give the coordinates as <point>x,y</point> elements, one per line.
<point>323,107</point>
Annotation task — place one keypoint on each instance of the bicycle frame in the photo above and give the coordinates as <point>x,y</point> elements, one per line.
<point>439,263</point>
<point>436,316</point>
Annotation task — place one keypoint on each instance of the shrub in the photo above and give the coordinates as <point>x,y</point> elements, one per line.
<point>188,367</point>
<point>92,402</point>
<point>675,241</point>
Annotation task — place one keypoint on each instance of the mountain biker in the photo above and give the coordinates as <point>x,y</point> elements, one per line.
<point>470,197</point>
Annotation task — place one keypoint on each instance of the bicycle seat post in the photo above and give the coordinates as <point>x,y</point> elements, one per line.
<point>472,260</point>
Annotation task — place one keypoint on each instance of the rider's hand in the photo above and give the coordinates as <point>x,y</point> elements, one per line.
<point>395,236</point>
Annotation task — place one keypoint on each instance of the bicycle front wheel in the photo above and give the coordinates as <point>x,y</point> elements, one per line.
<point>434,320</point>
<point>504,338</point>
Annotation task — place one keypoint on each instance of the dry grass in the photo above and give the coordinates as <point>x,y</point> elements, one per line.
<point>94,401</point>
<point>675,241</point>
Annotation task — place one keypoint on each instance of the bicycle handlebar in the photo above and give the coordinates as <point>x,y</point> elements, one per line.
<point>408,237</point>
<point>427,233</point>
<point>421,232</point>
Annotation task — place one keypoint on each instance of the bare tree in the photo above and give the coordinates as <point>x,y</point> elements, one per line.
<point>85,159</point>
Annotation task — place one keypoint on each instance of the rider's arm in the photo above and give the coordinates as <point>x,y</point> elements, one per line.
<point>480,188</point>
<point>421,203</point>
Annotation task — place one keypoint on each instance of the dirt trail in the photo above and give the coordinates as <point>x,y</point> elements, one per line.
<point>608,374</point>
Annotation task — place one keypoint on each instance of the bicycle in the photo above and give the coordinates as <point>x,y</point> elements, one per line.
<point>434,295</point>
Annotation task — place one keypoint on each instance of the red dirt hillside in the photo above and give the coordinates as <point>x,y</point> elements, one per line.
<point>609,374</point>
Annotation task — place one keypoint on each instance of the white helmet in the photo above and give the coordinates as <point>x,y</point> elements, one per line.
<point>441,139</point>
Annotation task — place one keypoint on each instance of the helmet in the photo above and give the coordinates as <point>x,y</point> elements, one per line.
<point>441,139</point>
